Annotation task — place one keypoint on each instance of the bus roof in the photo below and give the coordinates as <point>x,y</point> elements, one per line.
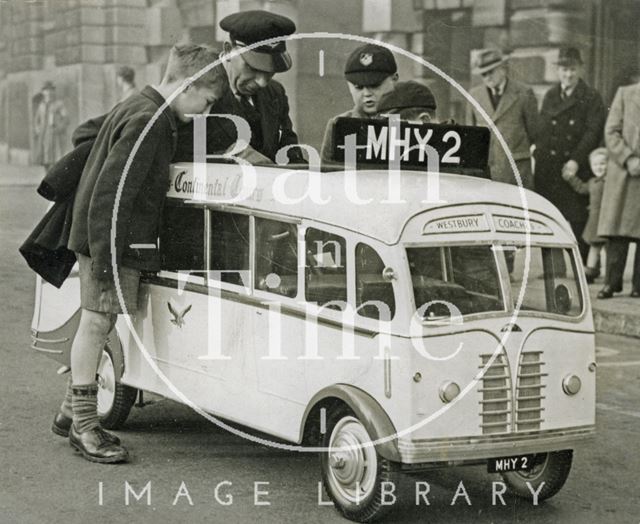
<point>385,207</point>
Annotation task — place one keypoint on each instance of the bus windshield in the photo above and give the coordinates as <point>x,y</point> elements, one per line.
<point>462,276</point>
<point>467,278</point>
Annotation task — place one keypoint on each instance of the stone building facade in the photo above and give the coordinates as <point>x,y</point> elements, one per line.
<point>78,44</point>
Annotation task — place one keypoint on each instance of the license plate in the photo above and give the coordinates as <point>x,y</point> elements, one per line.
<point>515,463</point>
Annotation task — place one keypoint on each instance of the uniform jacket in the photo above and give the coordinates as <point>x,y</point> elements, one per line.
<point>516,117</point>
<point>620,213</point>
<point>275,127</point>
<point>569,130</point>
<point>140,202</point>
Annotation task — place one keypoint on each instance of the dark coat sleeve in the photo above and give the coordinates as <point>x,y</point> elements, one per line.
<point>288,136</point>
<point>62,178</point>
<point>594,128</point>
<point>105,192</point>
<point>88,130</point>
<point>531,116</point>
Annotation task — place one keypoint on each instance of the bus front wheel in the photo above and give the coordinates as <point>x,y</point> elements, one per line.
<point>551,468</point>
<point>115,400</point>
<point>360,483</point>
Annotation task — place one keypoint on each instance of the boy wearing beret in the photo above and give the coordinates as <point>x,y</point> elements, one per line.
<point>102,203</point>
<point>371,71</point>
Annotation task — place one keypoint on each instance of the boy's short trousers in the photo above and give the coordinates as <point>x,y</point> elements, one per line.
<point>100,295</point>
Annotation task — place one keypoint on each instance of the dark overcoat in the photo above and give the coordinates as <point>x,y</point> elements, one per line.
<point>271,126</point>
<point>137,205</point>
<point>620,213</point>
<point>569,129</point>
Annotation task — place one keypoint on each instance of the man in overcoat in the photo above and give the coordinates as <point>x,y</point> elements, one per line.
<point>620,211</point>
<point>253,95</point>
<point>571,123</point>
<point>513,108</point>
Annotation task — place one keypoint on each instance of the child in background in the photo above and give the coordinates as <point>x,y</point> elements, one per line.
<point>593,187</point>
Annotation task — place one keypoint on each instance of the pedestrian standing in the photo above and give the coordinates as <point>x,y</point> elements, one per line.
<point>620,214</point>
<point>50,125</point>
<point>571,123</point>
<point>126,82</point>
<point>513,108</point>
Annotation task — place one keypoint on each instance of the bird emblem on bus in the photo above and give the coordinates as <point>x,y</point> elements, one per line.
<point>178,317</point>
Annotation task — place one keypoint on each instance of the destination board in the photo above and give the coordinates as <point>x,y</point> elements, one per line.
<point>396,143</point>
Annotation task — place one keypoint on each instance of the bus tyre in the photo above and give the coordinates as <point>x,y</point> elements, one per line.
<point>361,484</point>
<point>114,399</point>
<point>551,468</point>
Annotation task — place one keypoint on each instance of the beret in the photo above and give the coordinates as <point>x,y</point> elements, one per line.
<point>407,94</point>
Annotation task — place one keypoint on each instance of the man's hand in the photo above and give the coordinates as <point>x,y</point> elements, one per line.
<point>633,165</point>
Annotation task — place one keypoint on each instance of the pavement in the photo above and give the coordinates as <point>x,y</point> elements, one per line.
<point>619,315</point>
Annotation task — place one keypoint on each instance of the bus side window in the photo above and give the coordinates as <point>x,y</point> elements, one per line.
<point>229,246</point>
<point>371,287</point>
<point>276,257</point>
<point>326,271</point>
<point>182,239</point>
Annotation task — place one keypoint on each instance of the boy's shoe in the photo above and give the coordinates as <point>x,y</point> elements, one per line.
<point>96,447</point>
<point>62,424</point>
<point>591,273</point>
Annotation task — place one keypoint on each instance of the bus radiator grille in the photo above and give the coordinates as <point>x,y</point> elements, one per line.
<point>495,392</point>
<point>529,392</point>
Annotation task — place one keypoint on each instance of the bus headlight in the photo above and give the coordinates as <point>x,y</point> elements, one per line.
<point>571,384</point>
<point>448,391</point>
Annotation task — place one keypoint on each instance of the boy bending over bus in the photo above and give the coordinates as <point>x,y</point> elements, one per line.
<point>136,207</point>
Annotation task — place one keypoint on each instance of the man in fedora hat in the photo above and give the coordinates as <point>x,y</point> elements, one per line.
<point>513,108</point>
<point>571,126</point>
<point>253,94</point>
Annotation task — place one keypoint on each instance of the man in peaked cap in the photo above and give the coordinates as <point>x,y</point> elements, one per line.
<point>514,110</point>
<point>371,72</point>
<point>252,94</point>
<point>571,126</point>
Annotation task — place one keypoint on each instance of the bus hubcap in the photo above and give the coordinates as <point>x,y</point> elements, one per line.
<point>352,466</point>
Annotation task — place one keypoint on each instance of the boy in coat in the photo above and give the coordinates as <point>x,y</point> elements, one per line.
<point>118,203</point>
<point>513,108</point>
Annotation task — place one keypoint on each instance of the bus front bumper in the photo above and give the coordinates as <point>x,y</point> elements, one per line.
<point>477,449</point>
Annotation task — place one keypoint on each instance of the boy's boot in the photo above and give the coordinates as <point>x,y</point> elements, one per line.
<point>85,434</point>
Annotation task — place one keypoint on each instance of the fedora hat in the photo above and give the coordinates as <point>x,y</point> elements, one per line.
<point>568,56</point>
<point>487,60</point>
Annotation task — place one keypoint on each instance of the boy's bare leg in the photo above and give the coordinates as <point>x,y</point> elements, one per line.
<point>88,344</point>
<point>85,434</point>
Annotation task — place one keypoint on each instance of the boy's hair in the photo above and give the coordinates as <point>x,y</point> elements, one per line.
<point>600,151</point>
<point>188,59</point>
<point>127,74</point>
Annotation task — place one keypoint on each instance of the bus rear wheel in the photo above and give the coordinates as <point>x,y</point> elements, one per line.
<point>552,469</point>
<point>355,476</point>
<point>115,400</point>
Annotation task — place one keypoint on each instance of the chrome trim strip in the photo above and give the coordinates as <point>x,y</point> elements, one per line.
<point>44,350</point>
